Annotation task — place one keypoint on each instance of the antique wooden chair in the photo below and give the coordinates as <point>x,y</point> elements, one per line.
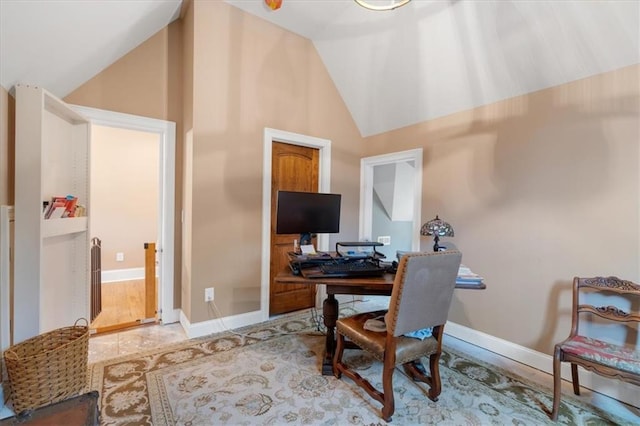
<point>420,299</point>
<point>617,361</point>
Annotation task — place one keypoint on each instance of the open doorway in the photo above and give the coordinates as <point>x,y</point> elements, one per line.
<point>124,200</point>
<point>390,200</point>
<point>163,159</point>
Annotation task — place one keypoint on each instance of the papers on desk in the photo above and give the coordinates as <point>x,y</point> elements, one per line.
<point>467,276</point>
<point>307,249</point>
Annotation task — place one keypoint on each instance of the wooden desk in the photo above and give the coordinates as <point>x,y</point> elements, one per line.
<point>372,286</point>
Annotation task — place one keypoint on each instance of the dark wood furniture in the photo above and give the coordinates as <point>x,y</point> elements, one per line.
<point>420,299</point>
<point>616,361</point>
<point>372,286</point>
<point>79,410</point>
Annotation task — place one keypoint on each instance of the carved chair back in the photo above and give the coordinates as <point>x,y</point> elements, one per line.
<point>599,302</point>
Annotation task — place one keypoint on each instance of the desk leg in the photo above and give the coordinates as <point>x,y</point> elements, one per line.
<point>330,313</point>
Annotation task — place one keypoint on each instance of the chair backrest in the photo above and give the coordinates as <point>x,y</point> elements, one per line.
<point>444,246</point>
<point>422,291</point>
<point>623,307</point>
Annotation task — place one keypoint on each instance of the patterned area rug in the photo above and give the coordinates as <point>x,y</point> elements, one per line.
<point>270,375</point>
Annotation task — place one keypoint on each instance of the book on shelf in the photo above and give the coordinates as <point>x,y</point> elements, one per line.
<point>57,206</point>
<point>60,207</point>
<point>80,211</point>
<point>70,208</point>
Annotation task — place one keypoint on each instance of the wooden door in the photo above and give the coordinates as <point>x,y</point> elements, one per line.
<point>150,295</point>
<point>293,168</point>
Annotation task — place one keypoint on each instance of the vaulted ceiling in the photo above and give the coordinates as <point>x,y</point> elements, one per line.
<point>424,60</point>
<point>61,44</point>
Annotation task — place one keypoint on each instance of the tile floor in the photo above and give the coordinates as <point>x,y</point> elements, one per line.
<point>106,346</point>
<point>132,340</point>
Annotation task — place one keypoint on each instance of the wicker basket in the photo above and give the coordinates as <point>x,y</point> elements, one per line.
<point>48,368</point>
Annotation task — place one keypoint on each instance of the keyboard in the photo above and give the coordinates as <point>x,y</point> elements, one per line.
<point>298,265</point>
<point>352,269</point>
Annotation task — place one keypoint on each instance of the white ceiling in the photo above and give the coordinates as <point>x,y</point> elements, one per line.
<point>61,44</point>
<point>427,59</point>
<point>431,58</point>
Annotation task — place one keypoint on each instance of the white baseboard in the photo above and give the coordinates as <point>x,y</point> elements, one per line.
<point>616,389</point>
<point>217,325</point>
<point>171,316</point>
<point>115,275</point>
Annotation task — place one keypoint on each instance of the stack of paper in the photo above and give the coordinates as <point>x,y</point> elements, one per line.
<point>467,276</point>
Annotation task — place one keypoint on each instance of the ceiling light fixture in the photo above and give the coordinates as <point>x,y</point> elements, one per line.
<point>273,4</point>
<point>381,4</point>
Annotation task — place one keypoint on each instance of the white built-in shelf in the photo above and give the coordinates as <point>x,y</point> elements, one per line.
<point>51,260</point>
<point>64,226</point>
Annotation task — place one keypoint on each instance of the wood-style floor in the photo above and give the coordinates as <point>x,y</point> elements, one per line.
<point>123,304</point>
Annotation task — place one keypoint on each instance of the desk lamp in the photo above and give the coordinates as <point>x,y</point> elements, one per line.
<point>438,228</point>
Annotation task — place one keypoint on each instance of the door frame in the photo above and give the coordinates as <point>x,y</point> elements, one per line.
<point>166,214</point>
<point>366,190</point>
<point>324,185</point>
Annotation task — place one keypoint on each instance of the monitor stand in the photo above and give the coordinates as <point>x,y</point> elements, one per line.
<point>305,239</point>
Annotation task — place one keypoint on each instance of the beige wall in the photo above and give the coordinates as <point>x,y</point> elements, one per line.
<point>146,82</point>
<point>136,84</point>
<point>247,75</point>
<point>539,189</point>
<point>124,193</point>
<point>184,267</point>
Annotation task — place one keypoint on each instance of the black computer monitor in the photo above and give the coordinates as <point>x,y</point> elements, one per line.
<point>307,213</point>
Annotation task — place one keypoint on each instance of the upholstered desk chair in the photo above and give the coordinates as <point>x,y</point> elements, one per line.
<point>616,361</point>
<point>421,296</point>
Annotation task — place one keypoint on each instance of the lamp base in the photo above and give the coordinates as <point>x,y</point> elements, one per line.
<point>436,247</point>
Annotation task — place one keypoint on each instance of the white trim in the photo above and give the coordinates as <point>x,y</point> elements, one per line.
<point>324,184</point>
<point>625,392</point>
<point>165,244</point>
<point>6,217</point>
<point>217,325</point>
<point>366,190</point>
<point>115,275</point>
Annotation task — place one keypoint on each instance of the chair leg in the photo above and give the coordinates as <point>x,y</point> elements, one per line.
<point>388,405</point>
<point>415,370</point>
<point>337,356</point>
<point>340,368</point>
<point>436,384</point>
<point>574,379</point>
<point>557,383</point>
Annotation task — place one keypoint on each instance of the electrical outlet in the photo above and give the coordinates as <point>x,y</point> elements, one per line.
<point>119,257</point>
<point>386,240</point>
<point>208,294</point>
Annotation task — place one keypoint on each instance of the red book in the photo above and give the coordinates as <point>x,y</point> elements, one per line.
<point>70,207</point>
<point>56,208</point>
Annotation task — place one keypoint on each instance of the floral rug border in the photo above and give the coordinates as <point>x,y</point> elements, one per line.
<point>301,322</point>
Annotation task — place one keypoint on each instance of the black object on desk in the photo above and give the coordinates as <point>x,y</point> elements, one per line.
<point>339,265</point>
<point>374,254</point>
<point>298,262</point>
<point>348,268</point>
